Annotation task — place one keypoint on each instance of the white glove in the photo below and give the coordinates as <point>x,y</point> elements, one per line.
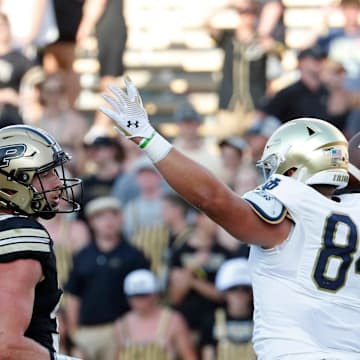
<point>64,357</point>
<point>132,120</point>
<point>127,111</point>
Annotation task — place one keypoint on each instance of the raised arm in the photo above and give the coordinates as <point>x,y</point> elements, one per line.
<point>188,178</point>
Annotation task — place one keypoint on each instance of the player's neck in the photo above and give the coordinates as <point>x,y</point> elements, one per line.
<point>326,190</point>
<point>5,211</point>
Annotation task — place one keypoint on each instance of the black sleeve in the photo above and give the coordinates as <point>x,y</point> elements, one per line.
<point>276,105</point>
<point>74,284</point>
<point>175,258</point>
<point>207,333</point>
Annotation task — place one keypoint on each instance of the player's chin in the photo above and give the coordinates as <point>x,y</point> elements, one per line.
<point>55,205</point>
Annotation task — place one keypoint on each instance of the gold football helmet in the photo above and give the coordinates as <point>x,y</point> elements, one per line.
<point>315,150</point>
<point>26,152</point>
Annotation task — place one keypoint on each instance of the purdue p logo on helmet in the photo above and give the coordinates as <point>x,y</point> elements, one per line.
<point>26,152</point>
<point>315,150</point>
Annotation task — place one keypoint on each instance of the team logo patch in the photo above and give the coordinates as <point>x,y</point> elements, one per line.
<point>271,184</point>
<point>134,124</point>
<point>10,152</point>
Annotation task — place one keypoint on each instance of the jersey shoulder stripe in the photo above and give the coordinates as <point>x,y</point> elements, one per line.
<point>22,234</point>
<point>266,206</point>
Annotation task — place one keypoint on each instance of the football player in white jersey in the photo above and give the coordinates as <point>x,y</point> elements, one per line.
<point>305,246</point>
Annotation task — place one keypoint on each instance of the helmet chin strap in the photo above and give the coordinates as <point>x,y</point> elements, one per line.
<point>354,171</point>
<point>47,215</point>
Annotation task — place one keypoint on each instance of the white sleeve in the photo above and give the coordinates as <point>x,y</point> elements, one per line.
<point>266,206</point>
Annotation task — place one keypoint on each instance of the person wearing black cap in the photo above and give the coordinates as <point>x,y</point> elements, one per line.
<point>105,156</point>
<point>307,96</point>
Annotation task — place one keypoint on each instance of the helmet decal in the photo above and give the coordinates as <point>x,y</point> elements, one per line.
<point>9,152</point>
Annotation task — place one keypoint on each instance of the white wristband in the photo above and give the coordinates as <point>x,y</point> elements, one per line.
<point>64,357</point>
<point>156,148</point>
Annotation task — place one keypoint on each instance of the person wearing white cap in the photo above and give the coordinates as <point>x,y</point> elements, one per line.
<point>232,327</point>
<point>95,297</point>
<point>150,331</point>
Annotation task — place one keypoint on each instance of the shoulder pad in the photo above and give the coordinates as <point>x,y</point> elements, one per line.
<point>266,206</point>
<point>22,234</point>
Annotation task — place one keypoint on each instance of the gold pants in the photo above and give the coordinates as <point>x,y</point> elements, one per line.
<point>97,341</point>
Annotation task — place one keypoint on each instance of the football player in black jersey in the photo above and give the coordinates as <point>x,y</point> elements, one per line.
<point>32,184</point>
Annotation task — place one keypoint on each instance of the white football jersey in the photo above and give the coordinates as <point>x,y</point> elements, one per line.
<point>307,290</point>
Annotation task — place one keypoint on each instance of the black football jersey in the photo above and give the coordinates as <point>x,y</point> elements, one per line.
<point>24,238</point>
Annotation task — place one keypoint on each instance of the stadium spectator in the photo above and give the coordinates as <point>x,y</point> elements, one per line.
<point>291,258</point>
<point>13,66</point>
<point>31,33</point>
<point>194,265</point>
<point>307,96</point>
<point>342,44</point>
<point>30,106</point>
<point>231,327</point>
<point>95,296</point>
<point>259,133</point>
<point>143,222</point>
<point>150,330</point>
<point>125,187</point>
<point>103,164</point>
<point>271,21</point>
<point>60,119</point>
<point>176,213</point>
<point>189,140</point>
<point>103,18</point>
<point>34,178</point>
<point>70,235</point>
<point>59,55</point>
<point>66,344</point>
<point>177,217</point>
<point>233,152</point>
<point>247,178</point>
<point>343,105</point>
<point>244,71</point>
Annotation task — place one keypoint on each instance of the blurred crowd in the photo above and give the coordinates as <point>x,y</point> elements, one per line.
<point>145,275</point>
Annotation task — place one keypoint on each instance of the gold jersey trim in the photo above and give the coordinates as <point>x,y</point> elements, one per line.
<point>24,232</point>
<point>20,246</point>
